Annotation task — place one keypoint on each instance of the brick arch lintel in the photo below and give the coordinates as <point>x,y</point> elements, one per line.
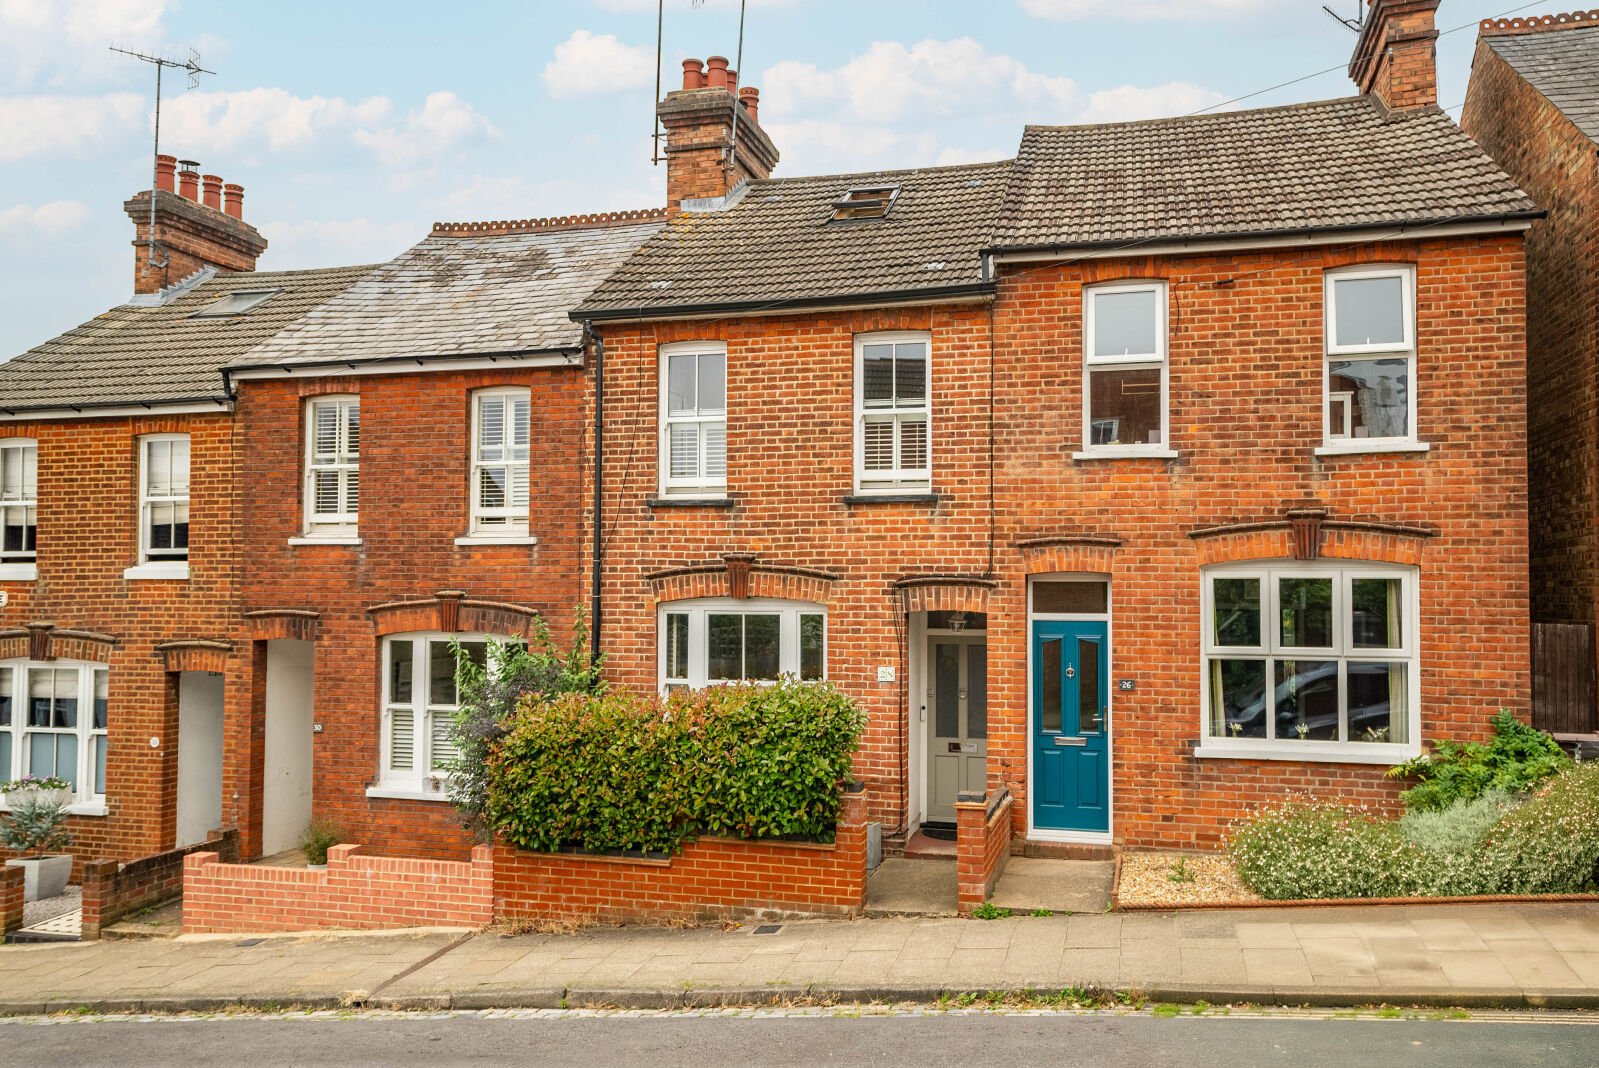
<point>1339,539</point>
<point>944,593</point>
<point>452,612</point>
<point>718,578</point>
<point>1090,554</point>
<point>43,640</point>
<point>295,624</point>
<point>196,654</point>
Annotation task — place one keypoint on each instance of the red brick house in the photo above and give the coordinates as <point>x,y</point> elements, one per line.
<point>1138,476</point>
<point>1533,104</point>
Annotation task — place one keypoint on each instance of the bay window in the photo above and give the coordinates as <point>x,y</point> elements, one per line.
<point>718,640</point>
<point>693,419</point>
<point>1371,358</point>
<point>1310,661</point>
<point>53,723</point>
<point>892,413</point>
<point>1125,370</point>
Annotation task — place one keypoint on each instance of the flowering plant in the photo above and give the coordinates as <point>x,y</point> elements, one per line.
<point>34,782</point>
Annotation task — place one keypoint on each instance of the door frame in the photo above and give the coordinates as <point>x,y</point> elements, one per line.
<point>925,724</point>
<point>1108,618</point>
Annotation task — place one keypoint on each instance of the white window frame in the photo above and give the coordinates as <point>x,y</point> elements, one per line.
<point>20,564</point>
<point>87,800</point>
<point>1343,650</point>
<point>1333,444</point>
<point>331,525</point>
<point>510,521</point>
<point>168,565</point>
<point>701,485</point>
<point>420,781</point>
<point>900,480</point>
<point>1160,359</point>
<point>700,609</point>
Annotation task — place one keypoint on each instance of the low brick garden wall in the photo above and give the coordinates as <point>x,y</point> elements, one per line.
<point>711,879</point>
<point>354,893</point>
<point>112,890</point>
<point>12,885</point>
<point>982,845</point>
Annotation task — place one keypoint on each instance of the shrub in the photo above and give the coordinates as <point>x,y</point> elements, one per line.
<point>1517,758</point>
<point>319,836</point>
<point>1311,850</point>
<point>1458,828</point>
<point>620,771</point>
<point>35,827</point>
<point>1549,844</point>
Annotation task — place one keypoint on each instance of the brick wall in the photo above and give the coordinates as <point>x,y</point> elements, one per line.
<point>982,846</point>
<point>355,892</point>
<point>711,879</point>
<point>112,890</point>
<point>1555,163</point>
<point>13,887</point>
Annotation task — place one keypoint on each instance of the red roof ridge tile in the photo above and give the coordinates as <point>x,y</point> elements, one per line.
<point>559,222</point>
<point>1538,23</point>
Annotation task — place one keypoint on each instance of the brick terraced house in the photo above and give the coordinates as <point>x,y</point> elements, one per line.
<point>1148,476</point>
<point>1533,104</point>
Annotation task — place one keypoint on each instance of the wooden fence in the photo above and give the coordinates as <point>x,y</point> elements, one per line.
<point>1563,678</point>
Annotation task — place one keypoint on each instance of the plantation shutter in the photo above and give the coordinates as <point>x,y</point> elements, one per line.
<point>402,741</point>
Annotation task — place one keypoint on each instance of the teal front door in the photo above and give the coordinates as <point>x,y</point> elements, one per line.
<point>1071,755</point>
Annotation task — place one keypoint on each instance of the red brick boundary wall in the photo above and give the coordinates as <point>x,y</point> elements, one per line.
<point>13,881</point>
<point>356,892</point>
<point>982,845</point>
<point>711,879</point>
<point>111,890</point>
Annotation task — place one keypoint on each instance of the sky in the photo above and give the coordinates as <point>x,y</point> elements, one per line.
<point>353,125</point>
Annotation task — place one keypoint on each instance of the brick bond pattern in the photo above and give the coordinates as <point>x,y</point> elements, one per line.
<point>355,892</point>
<point>711,879</point>
<point>982,847</point>
<point>112,890</point>
<point>1246,369</point>
<point>13,890</point>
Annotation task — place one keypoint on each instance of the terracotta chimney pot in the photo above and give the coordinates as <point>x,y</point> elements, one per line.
<point>732,81</point>
<point>189,185</point>
<point>166,169</point>
<point>213,191</point>
<point>233,200</point>
<point>716,72</point>
<point>750,97</point>
<point>693,74</point>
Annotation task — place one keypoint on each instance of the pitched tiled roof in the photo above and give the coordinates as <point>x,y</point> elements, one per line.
<point>159,353</point>
<point>496,288</point>
<point>1330,164</point>
<point>776,245</point>
<point>1563,65</point>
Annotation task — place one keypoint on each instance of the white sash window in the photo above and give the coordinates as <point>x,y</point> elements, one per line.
<point>693,419</point>
<point>1369,400</point>
<point>500,441</point>
<point>420,698</point>
<point>164,500</point>
<point>332,467</point>
<point>19,505</point>
<point>893,413</point>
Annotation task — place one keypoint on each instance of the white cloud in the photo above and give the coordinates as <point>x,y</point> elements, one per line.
<point>55,217</point>
<point>62,42</point>
<point>443,121</point>
<point>587,63</point>
<point>46,125</point>
<point>820,146</point>
<point>1128,102</point>
<point>951,157</point>
<point>313,243</point>
<point>1177,10</point>
<point>202,123</point>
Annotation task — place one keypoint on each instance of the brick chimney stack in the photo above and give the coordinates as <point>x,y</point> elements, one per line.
<point>699,119</point>
<point>1396,57</point>
<point>199,222</point>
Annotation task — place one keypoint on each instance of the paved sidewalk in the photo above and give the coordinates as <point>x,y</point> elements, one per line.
<point>1468,955</point>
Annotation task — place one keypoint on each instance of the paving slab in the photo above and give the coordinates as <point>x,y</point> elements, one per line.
<point>925,886</point>
<point>1030,883</point>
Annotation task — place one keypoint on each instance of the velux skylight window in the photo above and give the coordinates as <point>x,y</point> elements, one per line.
<point>236,303</point>
<point>867,202</point>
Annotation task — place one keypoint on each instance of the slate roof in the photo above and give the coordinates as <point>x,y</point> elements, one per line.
<point>776,245</point>
<point>1329,164</point>
<point>482,292</point>
<point>1561,64</point>
<point>137,354</point>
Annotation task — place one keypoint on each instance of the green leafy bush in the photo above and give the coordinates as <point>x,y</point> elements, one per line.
<point>620,771</point>
<point>1459,827</point>
<point>36,827</point>
<point>1550,843</point>
<point>319,836</point>
<point>1308,850</point>
<point>1518,758</point>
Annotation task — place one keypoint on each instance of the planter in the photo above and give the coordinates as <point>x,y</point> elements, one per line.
<point>18,798</point>
<point>43,876</point>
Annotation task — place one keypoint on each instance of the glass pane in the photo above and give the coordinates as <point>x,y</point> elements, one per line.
<point>352,490</point>
<point>180,526</point>
<point>157,469</point>
<point>441,674</point>
<point>491,487</point>
<point>401,667</point>
<point>1124,323</point>
<point>713,383</point>
<point>680,391</point>
<point>1307,700</point>
<point>977,691</point>
<point>5,710</point>
<point>1369,311</point>
<point>1374,393</point>
<point>30,472</point>
<point>762,641</point>
<point>878,445</point>
<point>1090,712</point>
<point>957,621</point>
<point>912,444</point>
<point>1124,407</point>
<point>102,703</point>
<point>1237,607</point>
<point>179,467</point>
<point>1378,702</point>
<point>1237,698</point>
<point>910,378</point>
<point>520,428</point>
<point>1375,613</point>
<point>161,516</point>
<point>676,645</point>
<point>5,753</point>
<point>877,375</point>
<point>1081,597</point>
<point>66,698</point>
<point>11,478</point>
<point>101,743</point>
<point>1051,696</point>
<point>41,695</point>
<point>724,647</point>
<point>444,750</point>
<point>54,754</point>
<point>715,449</point>
<point>1306,606</point>
<point>813,646</point>
<point>491,427</point>
<point>325,432</point>
<point>16,532</point>
<point>946,690</point>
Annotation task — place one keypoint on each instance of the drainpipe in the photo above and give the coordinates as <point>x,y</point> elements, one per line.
<point>597,547</point>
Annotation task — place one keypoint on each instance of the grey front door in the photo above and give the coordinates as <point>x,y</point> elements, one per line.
<point>957,721</point>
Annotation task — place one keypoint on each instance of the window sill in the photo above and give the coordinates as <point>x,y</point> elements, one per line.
<point>1357,448</point>
<point>19,572</point>
<point>165,570</point>
<point>892,498</point>
<point>689,502</point>
<point>1128,454</point>
<point>496,539</point>
<point>77,808</point>
<point>314,540</point>
<point>1345,753</point>
<point>407,793</point>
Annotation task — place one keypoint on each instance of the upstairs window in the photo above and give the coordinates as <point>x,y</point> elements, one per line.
<point>720,640</point>
<point>1371,356</point>
<point>332,466</point>
<point>19,500</point>
<point>892,413</point>
<point>694,419</point>
<point>867,202</point>
<point>500,442</point>
<point>1124,369</point>
<point>164,499</point>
